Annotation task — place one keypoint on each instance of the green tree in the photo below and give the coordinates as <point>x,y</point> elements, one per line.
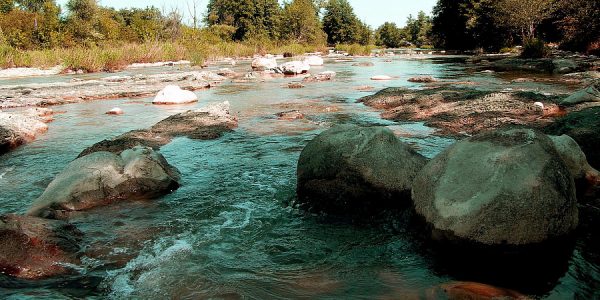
<point>389,35</point>
<point>6,6</point>
<point>301,24</point>
<point>251,18</point>
<point>365,34</point>
<point>450,25</point>
<point>524,15</point>
<point>340,23</point>
<point>82,20</point>
<point>579,24</point>
<point>419,29</point>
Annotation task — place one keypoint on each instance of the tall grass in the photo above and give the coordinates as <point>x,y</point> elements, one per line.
<point>115,57</point>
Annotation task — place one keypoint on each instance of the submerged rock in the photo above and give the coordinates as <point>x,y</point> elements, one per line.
<point>422,79</point>
<point>363,64</point>
<point>103,177</point>
<point>477,291</point>
<point>542,65</point>
<point>18,129</point>
<point>209,122</point>
<point>506,187</point>
<point>290,115</point>
<point>173,94</point>
<point>34,248</point>
<point>584,127</point>
<point>323,76</point>
<point>351,169</point>
<point>295,85</point>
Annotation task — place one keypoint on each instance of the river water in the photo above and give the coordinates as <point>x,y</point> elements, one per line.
<point>230,232</point>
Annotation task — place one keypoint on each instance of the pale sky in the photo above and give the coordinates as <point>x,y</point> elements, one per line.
<point>373,12</point>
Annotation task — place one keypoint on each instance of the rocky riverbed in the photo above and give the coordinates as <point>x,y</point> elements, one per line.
<point>234,199</point>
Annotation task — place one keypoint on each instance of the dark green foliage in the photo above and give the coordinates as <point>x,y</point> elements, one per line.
<point>251,18</point>
<point>340,23</point>
<point>419,29</point>
<point>579,24</point>
<point>302,24</point>
<point>535,49</point>
<point>389,35</point>
<point>6,6</point>
<point>492,25</point>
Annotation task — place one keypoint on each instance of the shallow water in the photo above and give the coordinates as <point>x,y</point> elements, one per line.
<point>230,233</point>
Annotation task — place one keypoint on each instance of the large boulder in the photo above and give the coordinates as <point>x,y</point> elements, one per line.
<point>34,248</point>
<point>103,177</point>
<point>584,127</point>
<point>586,177</point>
<point>589,94</point>
<point>18,129</point>
<point>503,187</point>
<point>264,64</point>
<point>295,68</point>
<point>351,169</point>
<point>173,94</point>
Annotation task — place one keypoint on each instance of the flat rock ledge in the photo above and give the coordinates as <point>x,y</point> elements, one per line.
<point>112,87</point>
<point>19,128</point>
<point>460,111</point>
<point>206,123</point>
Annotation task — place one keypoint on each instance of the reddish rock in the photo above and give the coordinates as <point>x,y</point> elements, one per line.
<point>478,291</point>
<point>34,248</point>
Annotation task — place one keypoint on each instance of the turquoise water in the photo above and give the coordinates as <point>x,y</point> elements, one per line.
<point>230,232</point>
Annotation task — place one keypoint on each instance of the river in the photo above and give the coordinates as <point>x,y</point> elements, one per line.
<point>230,232</point>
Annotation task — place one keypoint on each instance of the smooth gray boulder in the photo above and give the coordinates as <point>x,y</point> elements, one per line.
<point>502,187</point>
<point>350,169</point>
<point>103,177</point>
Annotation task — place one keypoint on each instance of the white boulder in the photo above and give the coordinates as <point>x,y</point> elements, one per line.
<point>115,111</point>
<point>381,77</point>
<point>262,64</point>
<point>295,67</point>
<point>173,94</point>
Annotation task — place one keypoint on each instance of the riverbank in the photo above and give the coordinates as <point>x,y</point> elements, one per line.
<point>117,57</point>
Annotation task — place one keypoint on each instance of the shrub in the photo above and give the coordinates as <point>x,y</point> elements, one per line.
<point>535,49</point>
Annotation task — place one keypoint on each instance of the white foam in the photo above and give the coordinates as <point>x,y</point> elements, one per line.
<point>143,273</point>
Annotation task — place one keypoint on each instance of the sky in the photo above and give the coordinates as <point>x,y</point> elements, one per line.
<point>373,12</point>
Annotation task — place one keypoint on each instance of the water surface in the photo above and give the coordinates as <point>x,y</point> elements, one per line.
<point>230,232</point>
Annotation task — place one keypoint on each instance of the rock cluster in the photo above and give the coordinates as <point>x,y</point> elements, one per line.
<point>205,123</point>
<point>512,187</point>
<point>36,246</point>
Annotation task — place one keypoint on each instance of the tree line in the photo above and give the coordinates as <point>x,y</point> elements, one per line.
<point>42,24</point>
<point>455,24</point>
<point>494,24</point>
